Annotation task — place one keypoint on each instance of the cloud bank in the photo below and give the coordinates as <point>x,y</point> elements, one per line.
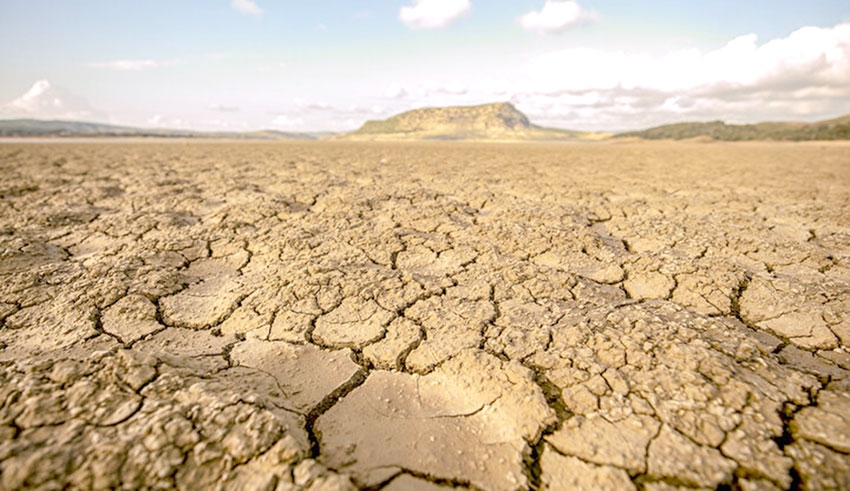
<point>223,108</point>
<point>802,75</point>
<point>808,56</point>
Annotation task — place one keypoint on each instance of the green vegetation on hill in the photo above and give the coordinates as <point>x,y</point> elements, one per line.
<point>833,129</point>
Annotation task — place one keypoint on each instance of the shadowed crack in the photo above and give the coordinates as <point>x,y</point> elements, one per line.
<point>532,461</point>
<point>787,413</point>
<point>534,452</point>
<point>98,326</point>
<point>735,301</point>
<point>328,402</point>
<point>439,481</point>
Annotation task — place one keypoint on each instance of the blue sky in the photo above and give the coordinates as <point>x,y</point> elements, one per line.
<point>305,66</point>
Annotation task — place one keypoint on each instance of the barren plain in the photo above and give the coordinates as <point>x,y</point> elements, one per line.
<point>413,316</point>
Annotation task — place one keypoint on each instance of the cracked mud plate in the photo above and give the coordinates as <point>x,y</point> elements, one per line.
<point>336,316</point>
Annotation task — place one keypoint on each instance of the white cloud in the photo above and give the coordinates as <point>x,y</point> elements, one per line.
<point>222,108</point>
<point>312,106</point>
<point>555,16</point>
<point>132,65</point>
<point>44,100</point>
<point>451,88</point>
<point>247,7</point>
<point>428,89</point>
<point>804,75</point>
<point>810,56</point>
<point>430,14</point>
<point>395,91</point>
<point>285,121</point>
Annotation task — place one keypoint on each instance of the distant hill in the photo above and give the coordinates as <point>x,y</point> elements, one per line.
<point>42,128</point>
<point>833,129</point>
<point>499,121</point>
<point>494,122</point>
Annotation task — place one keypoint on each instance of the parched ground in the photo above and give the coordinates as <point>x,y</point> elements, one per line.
<point>413,316</point>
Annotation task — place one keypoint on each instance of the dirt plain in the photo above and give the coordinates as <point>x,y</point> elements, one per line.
<point>414,316</point>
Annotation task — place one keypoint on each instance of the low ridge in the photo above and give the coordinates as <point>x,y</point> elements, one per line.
<point>60,128</point>
<point>832,129</point>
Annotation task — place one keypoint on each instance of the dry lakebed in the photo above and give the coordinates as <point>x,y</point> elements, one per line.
<point>416,316</point>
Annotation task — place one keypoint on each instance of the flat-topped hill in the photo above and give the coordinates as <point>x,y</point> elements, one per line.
<point>498,121</point>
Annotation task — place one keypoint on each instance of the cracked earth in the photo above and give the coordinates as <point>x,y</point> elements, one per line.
<point>414,316</point>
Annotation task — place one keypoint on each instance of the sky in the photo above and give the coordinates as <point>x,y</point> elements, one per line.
<point>330,65</point>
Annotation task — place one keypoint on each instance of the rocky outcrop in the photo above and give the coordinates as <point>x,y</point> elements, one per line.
<point>499,121</point>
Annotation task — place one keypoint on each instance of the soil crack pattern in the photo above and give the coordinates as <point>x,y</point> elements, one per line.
<point>421,316</point>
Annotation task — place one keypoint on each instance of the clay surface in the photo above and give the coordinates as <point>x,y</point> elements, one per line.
<point>344,315</point>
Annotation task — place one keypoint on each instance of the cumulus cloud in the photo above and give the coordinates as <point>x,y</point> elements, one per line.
<point>806,73</point>
<point>247,7</point>
<point>131,65</point>
<point>808,56</point>
<point>44,100</point>
<point>555,16</point>
<point>431,14</point>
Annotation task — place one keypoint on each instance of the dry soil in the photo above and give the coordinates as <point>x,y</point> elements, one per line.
<point>415,316</point>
